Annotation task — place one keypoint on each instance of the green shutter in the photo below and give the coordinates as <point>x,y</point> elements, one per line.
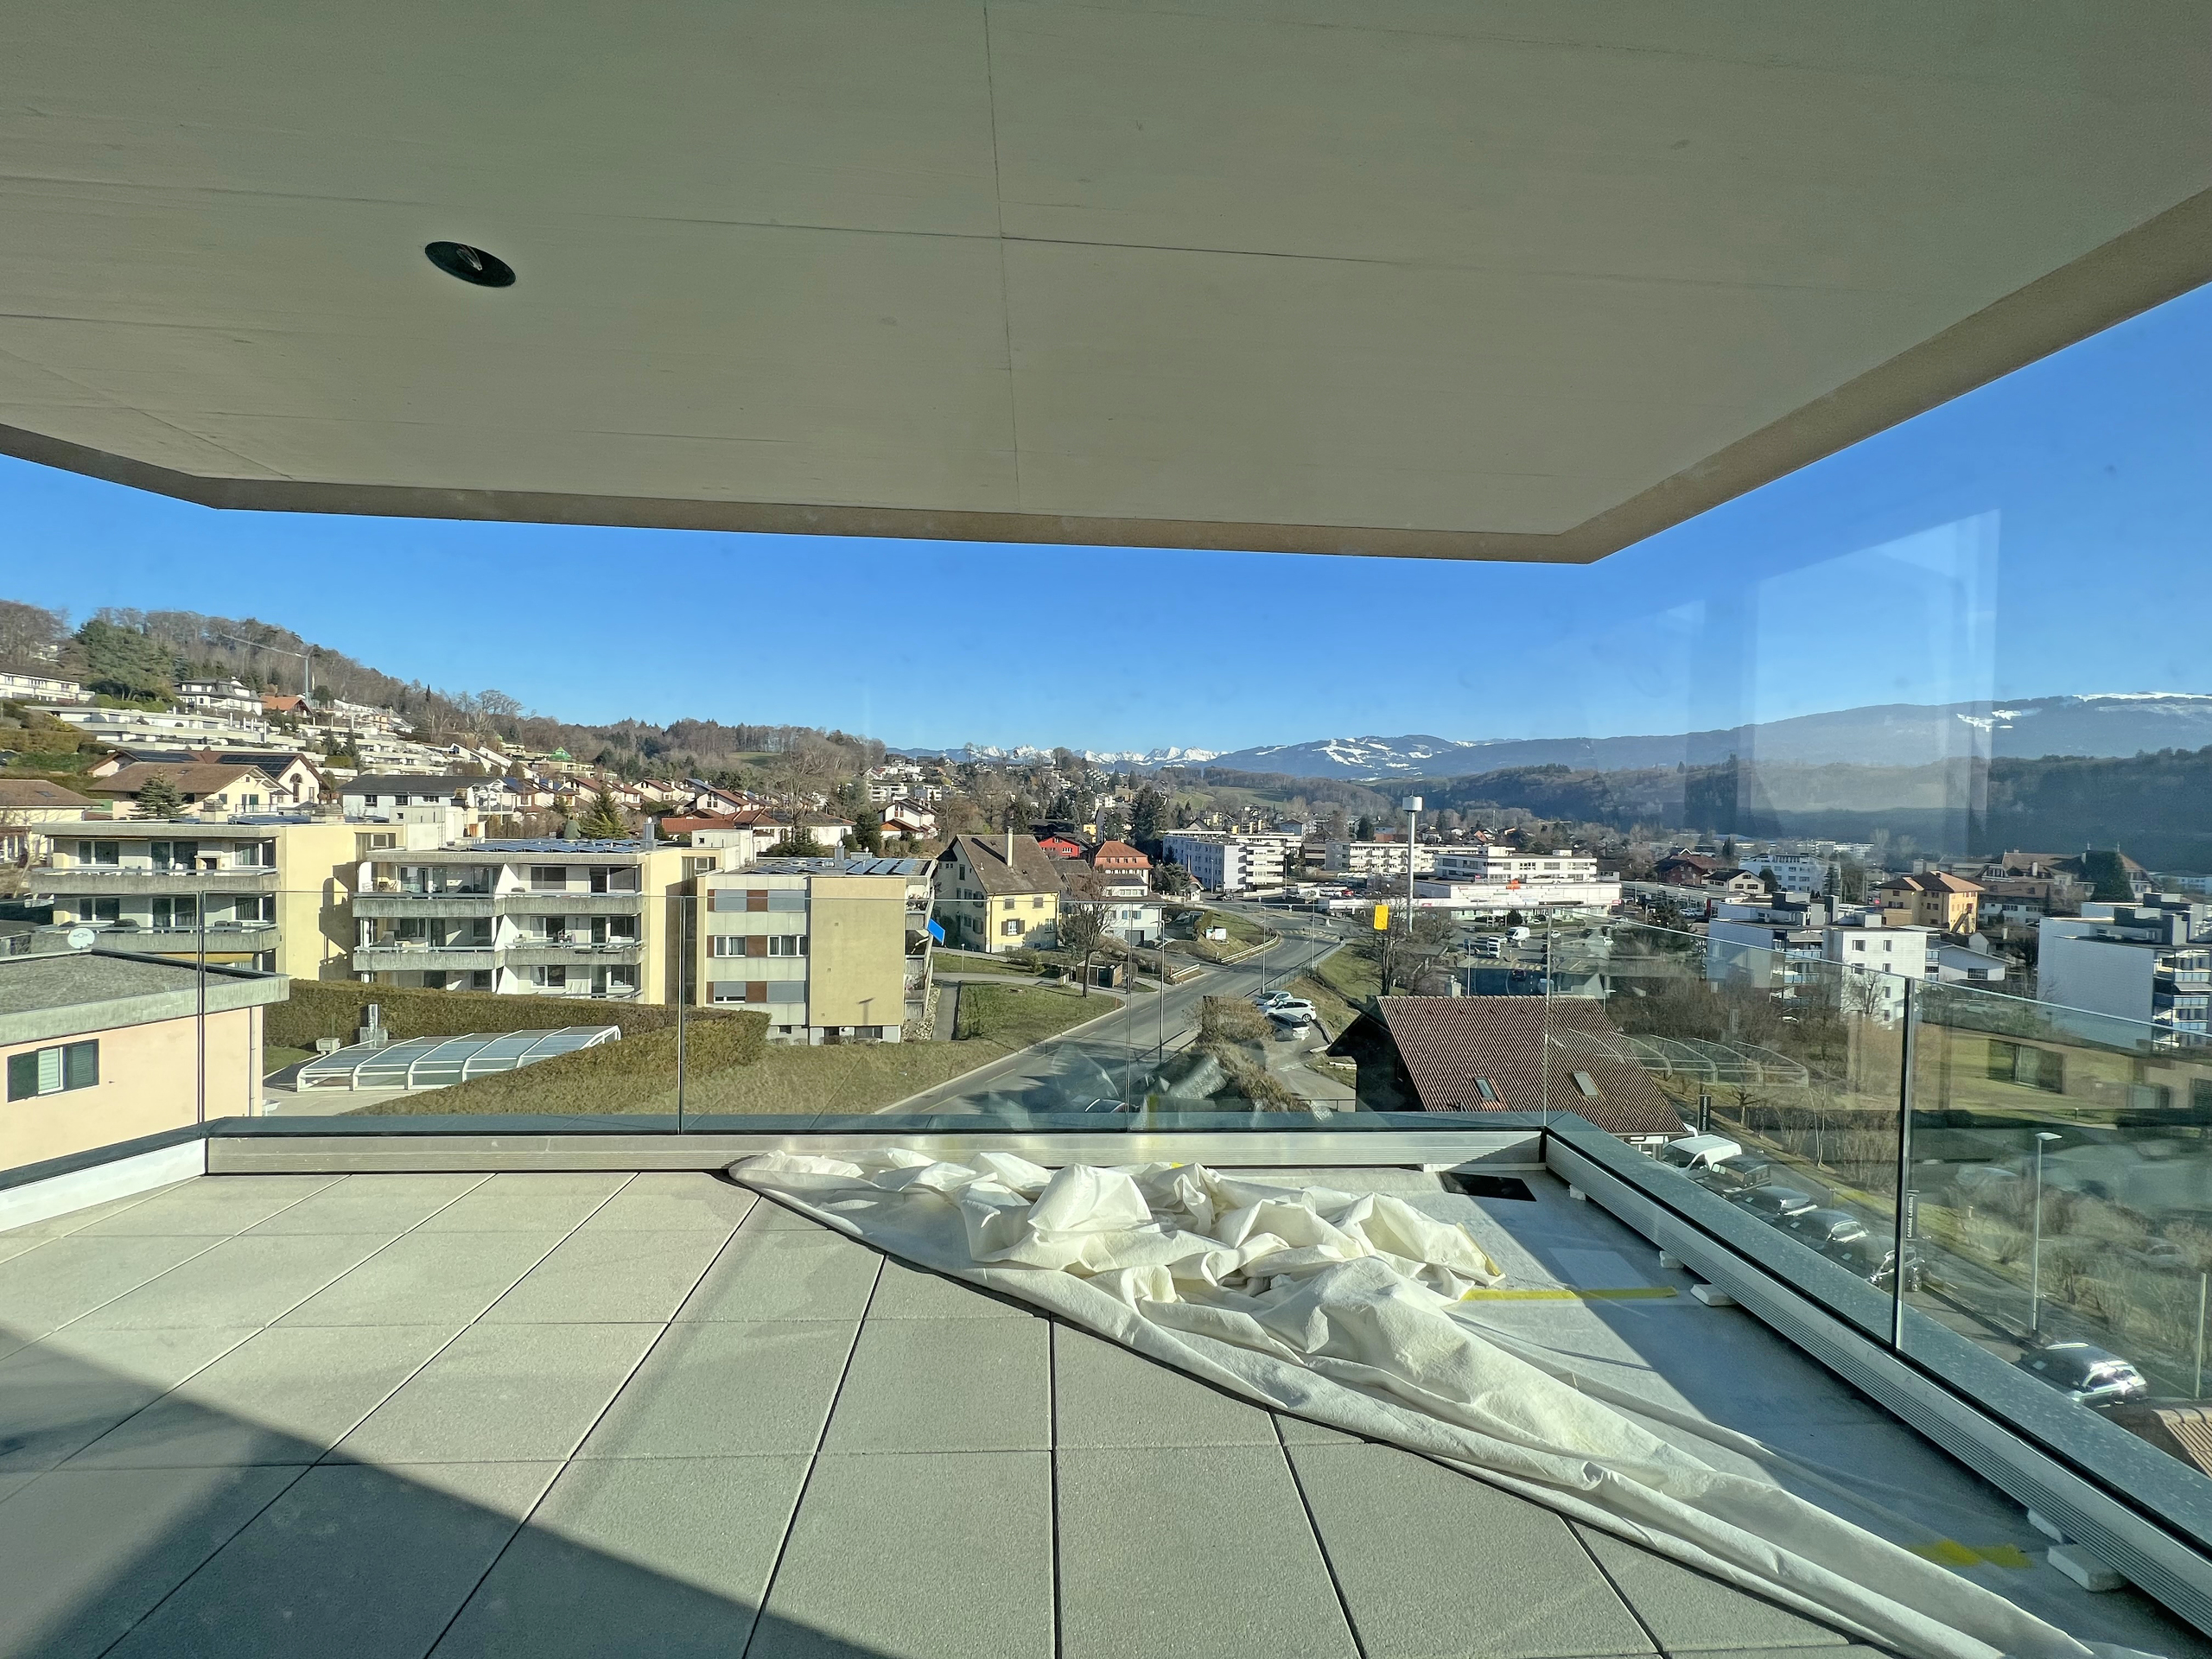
<point>80,1065</point>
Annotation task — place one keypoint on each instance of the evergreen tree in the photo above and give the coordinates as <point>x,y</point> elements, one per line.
<point>121,662</point>
<point>603,819</point>
<point>158,798</point>
<point>1147,816</point>
<point>867,833</point>
<point>1365,830</point>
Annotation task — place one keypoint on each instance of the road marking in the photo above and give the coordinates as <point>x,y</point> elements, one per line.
<point>1949,1552</point>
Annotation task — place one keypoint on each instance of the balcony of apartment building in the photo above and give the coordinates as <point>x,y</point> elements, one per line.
<point>117,862</point>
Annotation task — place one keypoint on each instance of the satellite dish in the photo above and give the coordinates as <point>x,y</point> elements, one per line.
<point>82,939</point>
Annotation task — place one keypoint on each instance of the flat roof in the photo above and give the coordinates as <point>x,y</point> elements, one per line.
<point>615,1413</point>
<point>67,993</point>
<point>1483,281</point>
<point>906,866</point>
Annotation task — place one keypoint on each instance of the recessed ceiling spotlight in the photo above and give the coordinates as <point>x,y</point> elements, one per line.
<point>471,265</point>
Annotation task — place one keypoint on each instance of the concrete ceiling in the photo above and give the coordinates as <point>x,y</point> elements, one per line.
<point>1462,278</point>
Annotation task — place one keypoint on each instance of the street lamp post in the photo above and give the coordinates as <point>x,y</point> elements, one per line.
<point>2035,1248</point>
<point>1411,804</point>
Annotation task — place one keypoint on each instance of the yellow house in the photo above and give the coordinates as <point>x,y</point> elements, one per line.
<point>832,950</point>
<point>27,806</point>
<point>997,893</point>
<point>274,895</point>
<point>97,1047</point>
<point>1947,903</point>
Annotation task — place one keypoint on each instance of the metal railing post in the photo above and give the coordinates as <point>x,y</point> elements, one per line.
<point>1904,1165</point>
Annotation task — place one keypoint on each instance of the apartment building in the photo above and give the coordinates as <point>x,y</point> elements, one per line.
<point>996,893</point>
<point>832,950</point>
<point>266,892</point>
<point>1221,860</point>
<point>548,918</point>
<point>1127,908</point>
<point>1768,946</point>
<point>2147,963</point>
<point>1793,871</point>
<point>1382,858</point>
<point>1950,904</point>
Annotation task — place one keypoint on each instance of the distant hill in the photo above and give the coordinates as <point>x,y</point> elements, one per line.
<point>1885,735</point>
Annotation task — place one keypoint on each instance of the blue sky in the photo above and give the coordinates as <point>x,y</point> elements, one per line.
<point>2024,541</point>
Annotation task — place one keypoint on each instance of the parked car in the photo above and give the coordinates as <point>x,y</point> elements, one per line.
<point>1874,1260</point>
<point>2163,1256</point>
<point>1697,1151</point>
<point>1271,999</point>
<point>1736,1174</point>
<point>2086,1375</point>
<point>1822,1227</point>
<point>1774,1204</point>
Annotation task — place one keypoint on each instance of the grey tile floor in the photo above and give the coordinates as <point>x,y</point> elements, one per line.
<point>554,1414</point>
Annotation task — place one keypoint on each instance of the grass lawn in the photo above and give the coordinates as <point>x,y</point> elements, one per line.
<point>1242,930</point>
<point>275,1057</point>
<point>637,1074</point>
<point>1335,1011</point>
<point>1350,976</point>
<point>946,962</point>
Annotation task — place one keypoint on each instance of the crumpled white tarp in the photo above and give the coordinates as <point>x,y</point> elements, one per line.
<point>1344,1309</point>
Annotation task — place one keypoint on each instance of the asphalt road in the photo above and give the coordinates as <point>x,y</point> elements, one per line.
<point>1114,1059</point>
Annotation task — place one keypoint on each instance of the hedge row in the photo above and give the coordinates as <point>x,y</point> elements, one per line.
<point>326,1008</point>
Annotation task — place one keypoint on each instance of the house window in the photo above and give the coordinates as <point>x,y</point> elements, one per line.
<point>1485,1089</point>
<point>548,875</point>
<point>98,852</point>
<point>1586,1085</point>
<point>1011,928</point>
<point>1037,903</point>
<point>787,945</point>
<point>53,1071</point>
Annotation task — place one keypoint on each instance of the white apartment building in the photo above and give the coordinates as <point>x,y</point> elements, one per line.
<point>2146,963</point>
<point>1793,871</point>
<point>1890,955</point>
<point>132,728</point>
<point>40,687</point>
<point>1509,864</point>
<point>1222,862</point>
<point>1469,899</point>
<point>1382,858</point>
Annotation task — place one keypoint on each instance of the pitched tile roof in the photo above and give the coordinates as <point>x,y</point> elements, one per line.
<point>1033,870</point>
<point>35,794</point>
<point>195,780</point>
<point>1446,1042</point>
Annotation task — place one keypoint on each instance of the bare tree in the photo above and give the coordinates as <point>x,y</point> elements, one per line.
<point>1082,930</point>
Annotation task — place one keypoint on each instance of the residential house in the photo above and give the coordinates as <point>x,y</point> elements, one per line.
<point>40,688</point>
<point>230,699</point>
<point>909,819</point>
<point>1127,907</point>
<point>101,1046</point>
<point>289,703</point>
<point>1688,869</point>
<point>206,789</point>
<point>1950,904</point>
<point>1059,846</point>
<point>997,893</point>
<point>29,804</point>
<point>270,892</point>
<point>832,950</point>
<point>1494,1054</point>
<point>546,918</point>
<point>1122,865</point>
<point>374,797</point>
<point>299,781</point>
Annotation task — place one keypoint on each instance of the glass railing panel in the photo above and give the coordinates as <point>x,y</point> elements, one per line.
<point>2062,1213</point>
<point>1769,1080</point>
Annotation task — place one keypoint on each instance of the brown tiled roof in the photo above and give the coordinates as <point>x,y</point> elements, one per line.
<point>1446,1042</point>
<point>35,794</point>
<point>1930,882</point>
<point>1033,870</point>
<point>2183,1430</point>
<point>1119,856</point>
<point>193,780</point>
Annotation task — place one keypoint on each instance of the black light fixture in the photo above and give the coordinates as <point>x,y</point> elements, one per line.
<point>471,265</point>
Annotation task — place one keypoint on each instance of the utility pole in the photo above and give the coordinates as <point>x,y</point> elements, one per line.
<point>1411,804</point>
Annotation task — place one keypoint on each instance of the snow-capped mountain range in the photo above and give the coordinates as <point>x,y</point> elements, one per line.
<point>1886,734</point>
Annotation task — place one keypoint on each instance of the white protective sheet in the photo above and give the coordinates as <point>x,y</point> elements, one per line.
<point>1345,1310</point>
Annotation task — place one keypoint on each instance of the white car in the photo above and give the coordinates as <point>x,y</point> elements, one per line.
<point>1272,999</point>
<point>1294,1012</point>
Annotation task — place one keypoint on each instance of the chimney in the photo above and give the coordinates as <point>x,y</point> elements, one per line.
<point>1009,848</point>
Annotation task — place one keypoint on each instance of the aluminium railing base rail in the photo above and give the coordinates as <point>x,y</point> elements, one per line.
<point>2147,1516</point>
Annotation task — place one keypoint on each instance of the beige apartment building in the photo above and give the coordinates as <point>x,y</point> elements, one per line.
<point>271,893</point>
<point>832,950</point>
<point>605,919</point>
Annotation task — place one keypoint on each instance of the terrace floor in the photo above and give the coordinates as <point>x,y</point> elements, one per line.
<point>600,1414</point>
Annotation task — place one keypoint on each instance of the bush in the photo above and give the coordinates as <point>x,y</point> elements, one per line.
<point>324,1008</point>
<point>1233,1020</point>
